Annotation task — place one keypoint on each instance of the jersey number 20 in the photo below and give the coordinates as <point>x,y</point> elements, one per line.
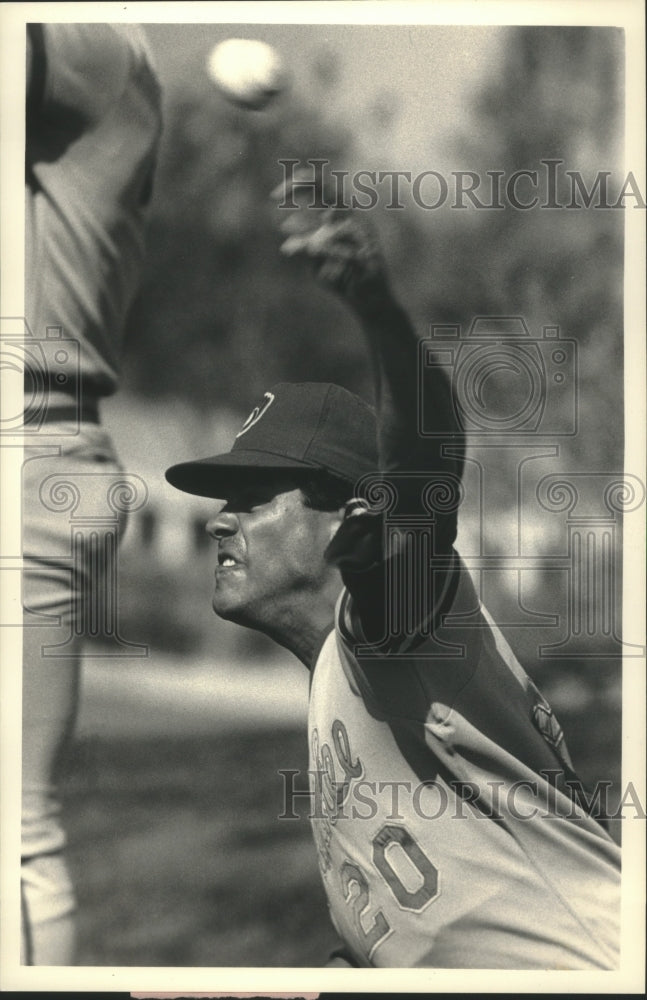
<point>408,899</point>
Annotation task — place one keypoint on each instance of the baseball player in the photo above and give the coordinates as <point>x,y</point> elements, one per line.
<point>445,831</point>
<point>93,122</point>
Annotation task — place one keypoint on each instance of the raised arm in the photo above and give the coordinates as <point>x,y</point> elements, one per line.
<point>346,258</point>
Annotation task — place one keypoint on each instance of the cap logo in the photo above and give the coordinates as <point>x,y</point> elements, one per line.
<point>257,413</point>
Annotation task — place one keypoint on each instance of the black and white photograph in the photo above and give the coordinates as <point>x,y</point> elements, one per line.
<point>322,447</point>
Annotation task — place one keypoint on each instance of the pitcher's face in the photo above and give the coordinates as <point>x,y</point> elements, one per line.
<point>270,552</point>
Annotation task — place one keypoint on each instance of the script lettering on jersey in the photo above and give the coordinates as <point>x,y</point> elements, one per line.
<point>329,793</point>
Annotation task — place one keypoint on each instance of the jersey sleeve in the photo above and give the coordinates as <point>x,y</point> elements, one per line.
<point>398,581</point>
<point>93,123</point>
<point>419,479</point>
<point>456,670</point>
<point>78,70</point>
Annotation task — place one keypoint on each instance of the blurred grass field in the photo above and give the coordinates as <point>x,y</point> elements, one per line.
<point>179,857</point>
<point>171,796</point>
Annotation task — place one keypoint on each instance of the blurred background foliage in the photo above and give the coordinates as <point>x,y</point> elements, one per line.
<point>220,315</point>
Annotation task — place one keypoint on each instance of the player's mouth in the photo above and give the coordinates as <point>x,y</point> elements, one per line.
<point>227,561</point>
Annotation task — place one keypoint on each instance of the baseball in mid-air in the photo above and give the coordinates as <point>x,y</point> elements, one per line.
<point>248,72</point>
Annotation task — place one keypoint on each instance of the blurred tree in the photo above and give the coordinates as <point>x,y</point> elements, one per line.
<point>558,95</point>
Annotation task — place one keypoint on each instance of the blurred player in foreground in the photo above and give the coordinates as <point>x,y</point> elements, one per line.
<point>445,830</point>
<point>93,123</point>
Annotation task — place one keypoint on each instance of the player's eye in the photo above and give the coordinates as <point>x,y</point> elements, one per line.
<point>250,496</point>
<point>245,500</point>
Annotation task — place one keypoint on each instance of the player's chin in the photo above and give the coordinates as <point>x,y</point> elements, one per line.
<point>228,602</point>
<point>224,609</point>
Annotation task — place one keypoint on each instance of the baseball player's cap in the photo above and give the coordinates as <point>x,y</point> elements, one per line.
<point>298,427</point>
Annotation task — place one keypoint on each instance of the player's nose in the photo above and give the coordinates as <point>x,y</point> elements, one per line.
<point>222,525</point>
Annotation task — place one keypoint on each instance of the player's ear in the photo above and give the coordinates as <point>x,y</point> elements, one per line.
<point>357,544</point>
<point>336,519</point>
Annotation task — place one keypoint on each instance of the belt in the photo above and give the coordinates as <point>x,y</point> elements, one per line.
<point>84,411</point>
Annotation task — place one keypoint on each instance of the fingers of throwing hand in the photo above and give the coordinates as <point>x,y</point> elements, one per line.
<point>331,238</point>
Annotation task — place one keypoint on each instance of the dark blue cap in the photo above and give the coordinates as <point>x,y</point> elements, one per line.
<point>314,426</point>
